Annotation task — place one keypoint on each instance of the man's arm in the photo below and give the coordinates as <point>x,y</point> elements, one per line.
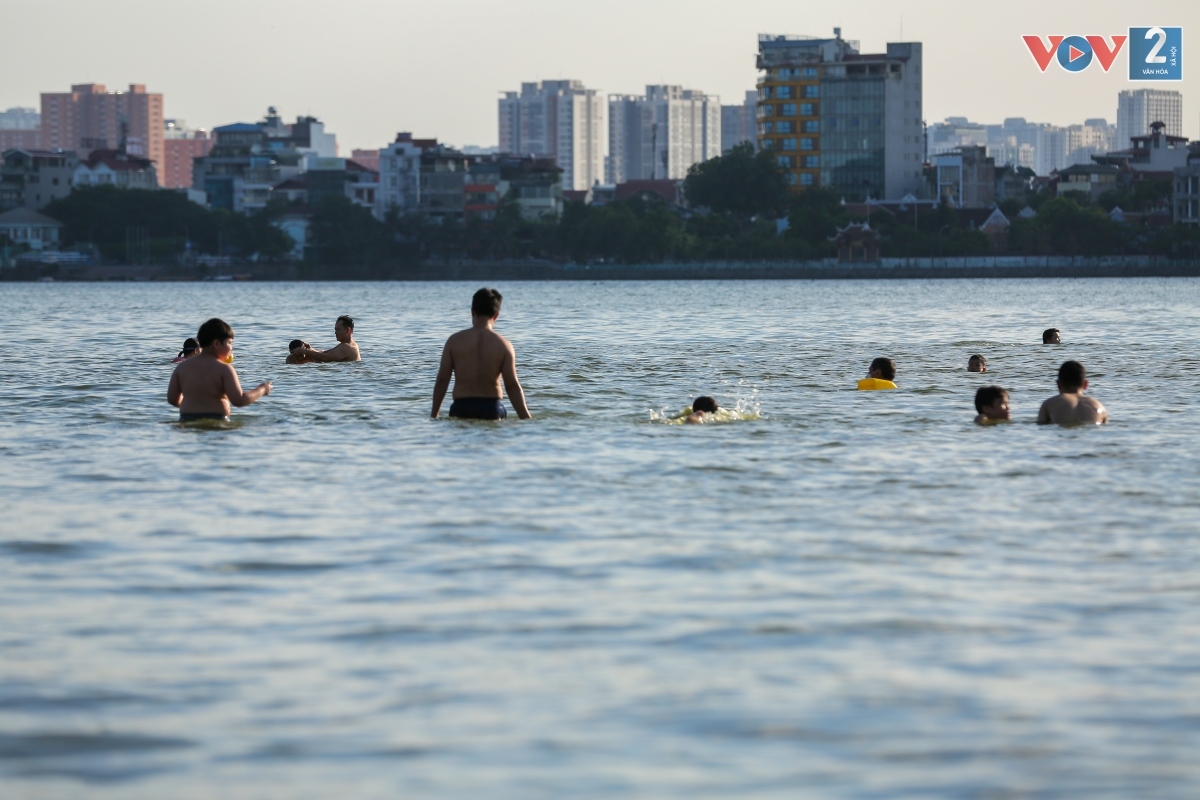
<point>512,386</point>
<point>1044,414</point>
<point>339,353</point>
<point>233,389</point>
<point>174,393</point>
<point>442,383</point>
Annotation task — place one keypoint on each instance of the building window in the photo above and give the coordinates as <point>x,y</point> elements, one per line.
<point>787,110</point>
<point>812,126</point>
<point>766,144</point>
<point>806,110</point>
<point>783,92</point>
<point>806,144</point>
<point>767,127</point>
<point>812,162</point>
<point>806,179</point>
<point>790,178</point>
<point>784,161</point>
<point>788,144</point>
<point>764,93</point>
<point>783,127</point>
<point>812,90</point>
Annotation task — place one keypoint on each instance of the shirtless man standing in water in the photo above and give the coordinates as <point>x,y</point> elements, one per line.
<point>1070,406</point>
<point>479,358</point>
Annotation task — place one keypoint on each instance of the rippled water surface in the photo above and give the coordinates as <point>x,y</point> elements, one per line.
<point>856,595</point>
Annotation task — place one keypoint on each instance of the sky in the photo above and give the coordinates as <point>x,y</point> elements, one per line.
<point>371,68</point>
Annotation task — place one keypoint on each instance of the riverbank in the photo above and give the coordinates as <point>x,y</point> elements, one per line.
<point>828,269</point>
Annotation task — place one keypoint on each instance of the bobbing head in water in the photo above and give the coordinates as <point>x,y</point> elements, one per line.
<point>976,363</point>
<point>701,407</point>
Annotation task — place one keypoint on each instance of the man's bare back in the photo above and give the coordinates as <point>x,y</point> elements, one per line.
<point>1072,408</point>
<point>479,359</point>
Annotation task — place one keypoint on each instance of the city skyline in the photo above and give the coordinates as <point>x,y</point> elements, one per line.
<point>340,69</point>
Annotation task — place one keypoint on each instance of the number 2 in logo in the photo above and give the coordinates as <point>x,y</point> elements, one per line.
<point>1156,54</point>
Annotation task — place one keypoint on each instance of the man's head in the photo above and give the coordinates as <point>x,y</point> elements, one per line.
<point>992,403</point>
<point>486,304</point>
<point>883,368</point>
<point>294,343</point>
<point>977,363</point>
<point>190,346</point>
<point>343,329</point>
<point>1072,377</point>
<point>1050,336</point>
<point>214,331</point>
<point>704,403</point>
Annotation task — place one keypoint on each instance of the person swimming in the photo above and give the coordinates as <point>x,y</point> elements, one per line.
<point>992,404</point>
<point>977,363</point>
<point>1051,336</point>
<point>478,359</point>
<point>345,350</point>
<point>882,375</point>
<point>190,348</point>
<point>702,406</point>
<point>296,349</point>
<point>1070,406</point>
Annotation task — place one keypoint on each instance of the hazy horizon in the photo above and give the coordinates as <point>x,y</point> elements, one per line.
<point>437,71</point>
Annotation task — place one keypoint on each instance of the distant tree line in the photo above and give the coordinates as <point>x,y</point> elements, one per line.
<point>735,204</point>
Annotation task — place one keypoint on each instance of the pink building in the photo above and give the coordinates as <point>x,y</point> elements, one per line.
<point>179,153</point>
<point>89,117</point>
<point>29,139</point>
<point>368,158</point>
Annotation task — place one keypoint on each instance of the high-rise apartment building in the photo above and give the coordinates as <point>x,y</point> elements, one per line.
<point>739,123</point>
<point>1138,108</point>
<point>843,119</point>
<point>560,119</point>
<point>89,117</point>
<point>661,134</point>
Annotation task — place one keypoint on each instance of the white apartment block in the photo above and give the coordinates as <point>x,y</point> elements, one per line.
<point>1137,108</point>
<point>560,119</point>
<point>661,134</point>
<point>399,177</point>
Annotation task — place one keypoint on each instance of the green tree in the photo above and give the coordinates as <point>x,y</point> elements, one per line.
<point>741,182</point>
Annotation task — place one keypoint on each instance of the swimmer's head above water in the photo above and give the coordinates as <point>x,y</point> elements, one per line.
<point>976,363</point>
<point>294,344</point>
<point>883,369</point>
<point>992,404</point>
<point>702,406</point>
<point>1050,336</point>
<point>190,348</point>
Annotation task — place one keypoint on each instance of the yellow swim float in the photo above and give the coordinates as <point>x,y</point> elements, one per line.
<point>874,384</point>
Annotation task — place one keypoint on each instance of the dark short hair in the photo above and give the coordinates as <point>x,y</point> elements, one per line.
<point>704,403</point>
<point>347,322</point>
<point>977,357</point>
<point>294,343</point>
<point>1048,334</point>
<point>214,330</point>
<point>886,367</point>
<point>987,396</point>
<point>486,303</point>
<point>1071,375</point>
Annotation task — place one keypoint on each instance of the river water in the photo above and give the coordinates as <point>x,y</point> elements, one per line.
<point>856,595</point>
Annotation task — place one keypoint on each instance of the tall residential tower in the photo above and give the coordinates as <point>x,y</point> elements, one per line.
<point>560,119</point>
<point>1138,108</point>
<point>661,134</point>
